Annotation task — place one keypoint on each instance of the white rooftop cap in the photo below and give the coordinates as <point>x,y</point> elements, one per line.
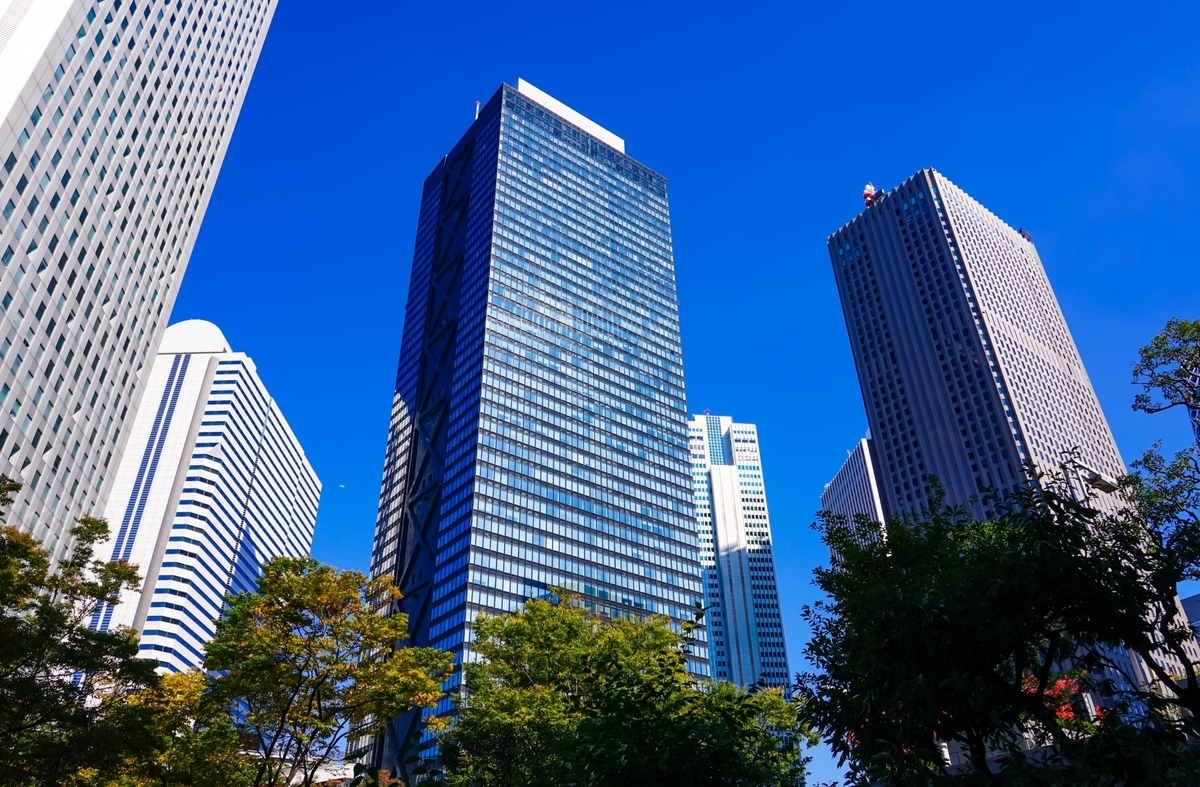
<point>570,115</point>
<point>193,336</point>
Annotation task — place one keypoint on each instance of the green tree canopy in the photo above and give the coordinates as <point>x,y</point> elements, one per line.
<point>309,659</point>
<point>65,689</point>
<point>566,698</point>
<point>1169,366</point>
<point>192,740</point>
<point>1001,637</point>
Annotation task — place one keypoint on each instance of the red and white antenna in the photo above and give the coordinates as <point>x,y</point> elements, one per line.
<point>869,193</point>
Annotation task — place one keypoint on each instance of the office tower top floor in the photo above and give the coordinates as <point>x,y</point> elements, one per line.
<point>966,365</point>
<point>539,428</point>
<point>114,118</point>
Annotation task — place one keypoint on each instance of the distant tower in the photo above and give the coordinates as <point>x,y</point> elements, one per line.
<point>746,639</point>
<point>965,362</point>
<point>213,485</point>
<point>854,491</point>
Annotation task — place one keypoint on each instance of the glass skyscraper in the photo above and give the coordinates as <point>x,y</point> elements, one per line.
<point>115,116</point>
<point>734,524</point>
<point>539,427</point>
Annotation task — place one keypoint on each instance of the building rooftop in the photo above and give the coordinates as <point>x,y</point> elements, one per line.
<point>193,336</point>
<point>570,115</point>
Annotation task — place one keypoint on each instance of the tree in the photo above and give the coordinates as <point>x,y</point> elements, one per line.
<point>1157,531</point>
<point>309,659</point>
<point>193,740</point>
<point>1169,366</point>
<point>563,697</point>
<point>64,688</point>
<point>1001,636</point>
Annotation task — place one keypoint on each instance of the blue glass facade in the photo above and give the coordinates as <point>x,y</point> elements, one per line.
<point>539,429</point>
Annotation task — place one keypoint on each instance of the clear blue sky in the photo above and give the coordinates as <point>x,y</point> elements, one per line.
<point>1079,122</point>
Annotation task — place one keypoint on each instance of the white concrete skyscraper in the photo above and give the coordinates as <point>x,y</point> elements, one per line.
<point>213,484</point>
<point>746,642</point>
<point>966,365</point>
<point>115,116</point>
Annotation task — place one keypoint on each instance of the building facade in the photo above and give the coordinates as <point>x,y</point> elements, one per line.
<point>213,484</point>
<point>967,368</point>
<point>746,638</point>
<point>114,119</point>
<point>854,491</point>
<point>966,365</point>
<point>539,429</point>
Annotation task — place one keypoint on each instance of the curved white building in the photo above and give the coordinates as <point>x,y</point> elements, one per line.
<point>212,485</point>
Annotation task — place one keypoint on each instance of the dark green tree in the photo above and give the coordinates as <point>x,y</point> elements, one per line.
<point>64,689</point>
<point>952,631</point>
<point>1168,368</point>
<point>567,698</point>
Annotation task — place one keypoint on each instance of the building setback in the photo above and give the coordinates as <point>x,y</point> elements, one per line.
<point>114,119</point>
<point>965,362</point>
<point>213,484</point>
<point>746,639</point>
<point>539,428</point>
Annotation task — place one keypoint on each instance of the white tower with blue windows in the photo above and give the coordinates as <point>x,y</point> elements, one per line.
<point>746,640</point>
<point>213,484</point>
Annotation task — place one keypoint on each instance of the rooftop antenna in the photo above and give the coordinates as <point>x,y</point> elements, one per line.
<point>477,110</point>
<point>869,193</point>
<point>707,411</point>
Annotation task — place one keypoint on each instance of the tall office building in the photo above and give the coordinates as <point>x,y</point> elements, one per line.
<point>746,642</point>
<point>854,490</point>
<point>116,115</point>
<point>966,365</point>
<point>539,429</point>
<point>212,486</point>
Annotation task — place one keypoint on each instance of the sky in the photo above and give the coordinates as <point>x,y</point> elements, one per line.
<point>1079,122</point>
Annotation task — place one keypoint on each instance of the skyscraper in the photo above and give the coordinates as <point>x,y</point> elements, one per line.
<point>116,117</point>
<point>965,362</point>
<point>854,491</point>
<point>539,427</point>
<point>746,642</point>
<point>213,485</point>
